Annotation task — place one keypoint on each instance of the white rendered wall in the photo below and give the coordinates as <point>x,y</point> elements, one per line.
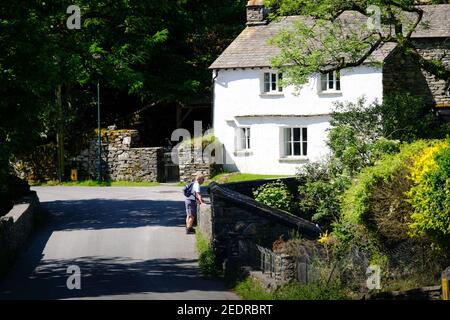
<point>238,102</point>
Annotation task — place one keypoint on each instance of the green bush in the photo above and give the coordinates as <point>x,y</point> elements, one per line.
<point>394,219</point>
<point>430,197</point>
<point>357,200</point>
<point>319,193</point>
<point>393,200</point>
<point>275,195</point>
<point>356,141</point>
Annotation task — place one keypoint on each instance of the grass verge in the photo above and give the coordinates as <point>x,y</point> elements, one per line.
<point>226,177</point>
<point>94,183</point>
<point>206,256</point>
<point>239,177</point>
<point>250,289</point>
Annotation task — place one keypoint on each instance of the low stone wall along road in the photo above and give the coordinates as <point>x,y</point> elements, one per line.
<point>128,243</point>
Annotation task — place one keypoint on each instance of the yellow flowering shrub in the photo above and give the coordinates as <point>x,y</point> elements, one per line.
<point>430,195</point>
<point>323,239</point>
<point>425,162</point>
<point>402,196</point>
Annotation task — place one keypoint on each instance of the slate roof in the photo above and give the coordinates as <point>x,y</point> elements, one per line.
<point>250,48</point>
<point>435,22</point>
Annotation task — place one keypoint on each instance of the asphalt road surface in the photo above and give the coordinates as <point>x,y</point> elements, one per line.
<point>128,243</point>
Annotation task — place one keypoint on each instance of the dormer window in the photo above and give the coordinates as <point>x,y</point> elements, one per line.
<point>272,82</point>
<point>330,82</point>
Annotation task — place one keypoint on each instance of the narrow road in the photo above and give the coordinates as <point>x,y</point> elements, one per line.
<point>129,243</point>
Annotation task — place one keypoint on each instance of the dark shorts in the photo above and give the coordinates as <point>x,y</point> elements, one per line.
<point>191,207</point>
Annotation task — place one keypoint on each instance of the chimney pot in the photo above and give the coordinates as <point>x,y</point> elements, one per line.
<point>256,13</point>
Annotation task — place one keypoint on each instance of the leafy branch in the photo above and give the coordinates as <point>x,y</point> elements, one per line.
<point>327,39</point>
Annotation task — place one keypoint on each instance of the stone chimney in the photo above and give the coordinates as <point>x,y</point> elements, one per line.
<point>256,13</point>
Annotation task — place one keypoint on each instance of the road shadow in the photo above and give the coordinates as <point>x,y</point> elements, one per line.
<point>96,214</point>
<point>113,276</point>
<point>34,277</point>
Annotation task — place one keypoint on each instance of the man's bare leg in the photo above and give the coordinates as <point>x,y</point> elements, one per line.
<point>189,222</point>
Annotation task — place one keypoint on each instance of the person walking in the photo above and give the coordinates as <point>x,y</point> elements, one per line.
<point>193,196</point>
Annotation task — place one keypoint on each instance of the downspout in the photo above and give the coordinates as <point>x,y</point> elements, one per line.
<point>213,85</point>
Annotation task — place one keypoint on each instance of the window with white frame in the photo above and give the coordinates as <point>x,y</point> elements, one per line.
<point>330,81</point>
<point>295,142</point>
<point>243,139</point>
<point>272,82</point>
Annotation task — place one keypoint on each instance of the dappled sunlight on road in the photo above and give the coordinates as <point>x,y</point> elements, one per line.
<point>129,243</point>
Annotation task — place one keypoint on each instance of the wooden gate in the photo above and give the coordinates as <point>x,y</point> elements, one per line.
<point>171,170</point>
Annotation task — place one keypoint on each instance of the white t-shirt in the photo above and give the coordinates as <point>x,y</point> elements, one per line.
<point>195,188</point>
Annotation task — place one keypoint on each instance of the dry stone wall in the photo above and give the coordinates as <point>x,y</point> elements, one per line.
<point>121,159</point>
<point>15,228</point>
<point>235,223</point>
<point>192,163</point>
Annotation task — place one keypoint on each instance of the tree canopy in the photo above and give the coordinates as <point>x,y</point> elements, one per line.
<point>327,42</point>
<point>146,51</point>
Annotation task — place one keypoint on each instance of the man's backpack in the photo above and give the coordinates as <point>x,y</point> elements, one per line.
<point>187,190</point>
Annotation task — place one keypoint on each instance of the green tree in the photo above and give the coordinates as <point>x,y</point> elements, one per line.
<point>408,118</point>
<point>41,56</point>
<point>25,84</point>
<point>357,137</point>
<point>150,51</point>
<point>326,43</point>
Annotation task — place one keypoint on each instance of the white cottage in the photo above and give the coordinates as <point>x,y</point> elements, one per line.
<point>268,129</point>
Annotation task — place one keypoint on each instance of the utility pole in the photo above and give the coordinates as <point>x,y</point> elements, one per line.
<point>97,56</point>
<point>60,134</point>
<point>99,170</point>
